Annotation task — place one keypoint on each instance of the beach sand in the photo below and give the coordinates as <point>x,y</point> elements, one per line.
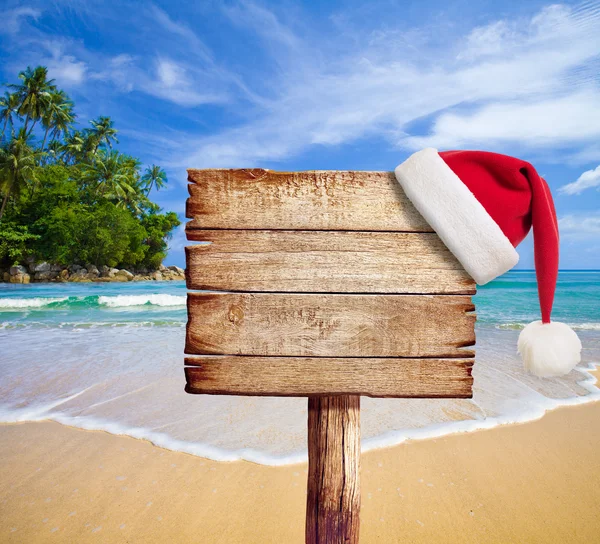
<point>532,482</point>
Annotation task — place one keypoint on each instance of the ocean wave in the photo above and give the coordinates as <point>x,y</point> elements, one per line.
<point>23,303</point>
<point>116,301</point>
<point>517,326</point>
<point>122,301</point>
<point>9,325</point>
<point>535,409</point>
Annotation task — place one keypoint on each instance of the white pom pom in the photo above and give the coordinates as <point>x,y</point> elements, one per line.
<point>549,349</point>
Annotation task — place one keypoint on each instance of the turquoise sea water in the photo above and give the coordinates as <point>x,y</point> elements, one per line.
<point>508,302</point>
<point>88,305</point>
<point>511,301</point>
<point>110,356</point>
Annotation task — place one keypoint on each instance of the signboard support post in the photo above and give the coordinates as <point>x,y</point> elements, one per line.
<point>333,499</point>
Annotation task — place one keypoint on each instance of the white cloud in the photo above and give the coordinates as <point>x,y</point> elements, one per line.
<point>587,180</point>
<point>189,77</point>
<point>168,80</point>
<point>270,27</point>
<point>527,82</point>
<point>542,122</point>
<point>488,40</point>
<point>170,74</point>
<point>12,19</point>
<point>195,46</point>
<point>117,70</point>
<point>196,69</point>
<point>67,70</point>
<point>580,227</point>
<point>64,67</point>
<point>523,83</point>
<point>175,82</point>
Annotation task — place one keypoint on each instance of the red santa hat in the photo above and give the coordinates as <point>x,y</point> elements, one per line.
<point>482,205</point>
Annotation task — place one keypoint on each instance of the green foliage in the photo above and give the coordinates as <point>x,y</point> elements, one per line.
<point>14,242</point>
<point>154,177</point>
<point>17,167</point>
<point>99,235</point>
<point>156,225</point>
<point>73,199</point>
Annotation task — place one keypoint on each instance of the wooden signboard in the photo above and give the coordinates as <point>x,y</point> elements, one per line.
<point>328,285</point>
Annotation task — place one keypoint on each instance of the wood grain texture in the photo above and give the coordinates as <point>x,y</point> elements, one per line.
<point>316,376</point>
<point>333,499</point>
<point>317,200</point>
<point>323,262</point>
<point>330,325</point>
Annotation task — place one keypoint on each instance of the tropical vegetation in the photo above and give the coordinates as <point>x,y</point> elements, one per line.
<point>67,194</point>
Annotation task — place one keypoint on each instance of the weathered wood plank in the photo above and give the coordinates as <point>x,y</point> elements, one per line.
<point>330,325</point>
<point>318,376</point>
<point>333,499</point>
<point>323,262</point>
<point>317,200</point>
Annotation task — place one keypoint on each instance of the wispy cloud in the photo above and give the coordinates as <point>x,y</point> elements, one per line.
<point>195,69</point>
<point>187,75</point>
<point>258,82</point>
<point>587,180</point>
<point>195,46</point>
<point>65,68</point>
<point>13,18</point>
<point>580,227</point>
<point>175,82</point>
<point>535,123</point>
<point>521,83</point>
<point>179,240</point>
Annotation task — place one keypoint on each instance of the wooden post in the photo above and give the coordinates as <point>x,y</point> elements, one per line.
<point>333,500</point>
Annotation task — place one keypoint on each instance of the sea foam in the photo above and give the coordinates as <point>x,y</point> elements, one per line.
<point>110,357</point>
<point>114,301</point>
<point>129,381</point>
<point>19,303</point>
<point>122,301</point>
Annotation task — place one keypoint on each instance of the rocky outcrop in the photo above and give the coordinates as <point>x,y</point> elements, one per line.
<point>18,274</point>
<point>128,276</point>
<point>92,271</point>
<point>80,275</point>
<point>47,272</point>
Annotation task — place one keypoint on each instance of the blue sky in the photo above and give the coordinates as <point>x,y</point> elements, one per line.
<point>333,85</point>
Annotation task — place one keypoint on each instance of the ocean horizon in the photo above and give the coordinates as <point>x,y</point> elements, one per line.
<point>110,357</point>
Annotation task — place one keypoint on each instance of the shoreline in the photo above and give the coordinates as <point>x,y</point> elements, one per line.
<point>506,484</point>
<point>50,273</point>
<point>389,439</point>
<point>135,279</point>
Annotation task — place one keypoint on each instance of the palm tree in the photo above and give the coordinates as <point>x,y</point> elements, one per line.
<point>103,132</point>
<point>34,94</point>
<point>74,146</point>
<point>111,174</point>
<point>64,121</point>
<point>58,115</point>
<point>9,104</point>
<point>55,148</point>
<point>154,176</point>
<point>17,167</point>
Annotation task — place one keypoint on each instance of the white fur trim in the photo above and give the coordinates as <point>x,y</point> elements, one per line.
<point>456,215</point>
<point>549,349</point>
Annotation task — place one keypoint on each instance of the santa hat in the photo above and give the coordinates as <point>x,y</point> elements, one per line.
<point>482,205</point>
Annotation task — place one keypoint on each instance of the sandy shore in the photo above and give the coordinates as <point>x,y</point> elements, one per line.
<point>536,482</point>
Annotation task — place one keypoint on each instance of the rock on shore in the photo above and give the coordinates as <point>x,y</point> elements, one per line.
<point>47,272</point>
